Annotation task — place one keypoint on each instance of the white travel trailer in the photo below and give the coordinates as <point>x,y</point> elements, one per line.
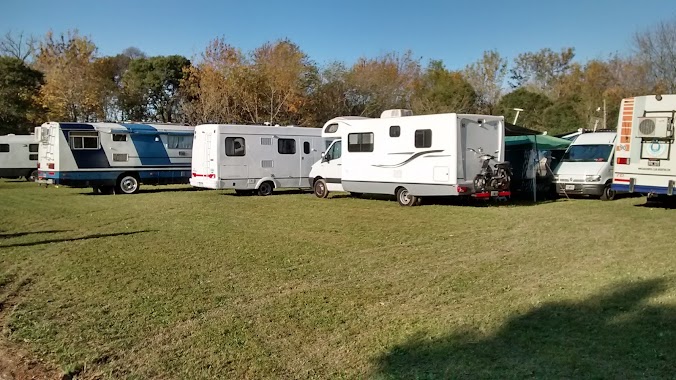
<point>643,160</point>
<point>254,158</point>
<point>409,156</point>
<point>19,156</point>
<point>112,157</point>
<point>587,166</point>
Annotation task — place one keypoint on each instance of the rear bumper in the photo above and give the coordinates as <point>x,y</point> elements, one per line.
<point>643,189</point>
<point>595,189</point>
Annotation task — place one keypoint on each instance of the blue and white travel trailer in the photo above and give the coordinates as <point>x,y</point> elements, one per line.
<point>19,156</point>
<point>112,157</point>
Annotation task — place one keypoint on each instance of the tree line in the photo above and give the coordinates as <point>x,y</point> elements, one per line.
<point>61,77</point>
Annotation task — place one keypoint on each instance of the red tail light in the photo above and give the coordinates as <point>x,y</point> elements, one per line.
<point>462,189</point>
<point>38,165</point>
<point>51,165</point>
<point>622,161</point>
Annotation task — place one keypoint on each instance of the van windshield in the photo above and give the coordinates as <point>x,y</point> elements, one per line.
<point>588,153</point>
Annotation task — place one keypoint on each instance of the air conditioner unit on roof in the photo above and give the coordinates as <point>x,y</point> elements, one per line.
<point>654,127</point>
<point>396,113</point>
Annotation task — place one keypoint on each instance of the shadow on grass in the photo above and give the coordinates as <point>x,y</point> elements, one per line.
<point>252,193</point>
<point>17,234</point>
<point>611,335</point>
<point>449,201</point>
<point>146,190</point>
<point>667,203</point>
<point>87,237</point>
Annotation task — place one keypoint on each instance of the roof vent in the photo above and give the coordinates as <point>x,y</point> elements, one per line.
<point>396,113</point>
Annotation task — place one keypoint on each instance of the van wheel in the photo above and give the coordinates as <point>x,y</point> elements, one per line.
<point>320,189</point>
<point>608,194</point>
<point>127,184</point>
<point>265,189</point>
<point>405,198</point>
<point>32,176</point>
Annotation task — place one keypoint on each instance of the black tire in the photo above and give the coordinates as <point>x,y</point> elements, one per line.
<point>405,198</point>
<point>127,184</point>
<point>608,194</point>
<point>265,189</point>
<point>320,189</point>
<point>32,175</point>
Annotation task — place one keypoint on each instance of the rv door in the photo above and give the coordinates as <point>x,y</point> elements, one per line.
<point>305,163</point>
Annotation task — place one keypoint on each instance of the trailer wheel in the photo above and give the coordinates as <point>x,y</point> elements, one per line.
<point>405,198</point>
<point>265,189</point>
<point>608,194</point>
<point>32,175</point>
<point>127,184</point>
<point>320,189</point>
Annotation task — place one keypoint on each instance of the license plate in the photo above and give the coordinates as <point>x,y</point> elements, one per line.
<point>570,187</point>
<point>494,193</point>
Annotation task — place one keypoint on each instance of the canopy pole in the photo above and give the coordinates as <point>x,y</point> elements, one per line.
<point>535,169</point>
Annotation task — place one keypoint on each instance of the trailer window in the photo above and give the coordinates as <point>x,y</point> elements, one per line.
<point>4,148</point>
<point>360,142</point>
<point>332,128</point>
<point>33,148</point>
<point>235,146</point>
<point>306,147</point>
<point>119,137</point>
<point>286,146</point>
<point>179,142</point>
<point>423,138</point>
<point>395,131</point>
<point>84,140</point>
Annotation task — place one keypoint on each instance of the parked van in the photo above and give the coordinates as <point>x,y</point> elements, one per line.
<point>586,167</point>
<point>19,156</point>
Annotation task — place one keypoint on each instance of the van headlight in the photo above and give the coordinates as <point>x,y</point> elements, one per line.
<point>592,178</point>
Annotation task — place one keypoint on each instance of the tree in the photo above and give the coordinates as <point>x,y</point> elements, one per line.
<point>71,90</point>
<point>19,91</point>
<point>542,70</point>
<point>17,46</point>
<point>656,47</point>
<point>533,104</point>
<point>440,90</point>
<point>486,77</point>
<point>328,96</point>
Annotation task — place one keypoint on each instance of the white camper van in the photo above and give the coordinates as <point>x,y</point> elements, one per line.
<point>111,157</point>
<point>254,158</point>
<point>644,161</point>
<point>586,167</point>
<point>409,156</point>
<point>19,156</point>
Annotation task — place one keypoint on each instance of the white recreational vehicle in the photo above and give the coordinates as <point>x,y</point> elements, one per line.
<point>251,158</point>
<point>19,156</point>
<point>587,166</point>
<point>643,160</point>
<point>111,157</point>
<point>409,156</point>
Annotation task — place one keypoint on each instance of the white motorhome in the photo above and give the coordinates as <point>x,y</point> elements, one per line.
<point>645,129</point>
<point>112,157</point>
<point>408,156</point>
<point>254,158</point>
<point>586,167</point>
<point>19,156</point>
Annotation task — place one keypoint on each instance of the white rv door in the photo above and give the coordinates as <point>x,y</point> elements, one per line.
<point>331,167</point>
<point>306,161</point>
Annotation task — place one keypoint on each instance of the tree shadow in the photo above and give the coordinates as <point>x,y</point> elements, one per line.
<point>18,234</point>
<point>613,335</point>
<point>87,237</point>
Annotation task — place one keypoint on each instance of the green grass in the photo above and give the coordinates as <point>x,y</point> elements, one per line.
<point>204,284</point>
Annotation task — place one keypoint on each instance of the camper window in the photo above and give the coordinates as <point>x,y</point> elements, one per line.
<point>4,148</point>
<point>235,146</point>
<point>119,137</point>
<point>395,131</point>
<point>335,152</point>
<point>179,142</point>
<point>306,147</point>
<point>286,146</point>
<point>33,157</point>
<point>360,142</point>
<point>84,140</point>
<point>331,128</point>
<point>33,148</point>
<point>423,138</point>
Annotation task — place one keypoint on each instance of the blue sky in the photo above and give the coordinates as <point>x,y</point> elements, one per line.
<point>456,32</point>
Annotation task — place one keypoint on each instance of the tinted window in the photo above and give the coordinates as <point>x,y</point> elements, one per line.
<point>179,142</point>
<point>235,146</point>
<point>119,137</point>
<point>335,152</point>
<point>84,140</point>
<point>4,148</point>
<point>587,153</point>
<point>306,147</point>
<point>33,157</point>
<point>423,138</point>
<point>332,128</point>
<point>33,148</point>
<point>395,131</point>
<point>360,142</point>
<point>286,146</point>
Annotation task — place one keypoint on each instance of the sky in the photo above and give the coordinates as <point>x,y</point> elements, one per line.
<point>456,32</point>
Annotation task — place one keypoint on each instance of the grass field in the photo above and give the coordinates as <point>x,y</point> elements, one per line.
<point>175,283</point>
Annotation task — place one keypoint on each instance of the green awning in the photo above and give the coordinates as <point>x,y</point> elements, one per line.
<point>544,142</point>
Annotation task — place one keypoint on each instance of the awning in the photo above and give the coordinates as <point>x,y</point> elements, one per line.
<point>544,142</point>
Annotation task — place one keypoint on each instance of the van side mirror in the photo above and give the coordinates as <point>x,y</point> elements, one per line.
<point>322,154</point>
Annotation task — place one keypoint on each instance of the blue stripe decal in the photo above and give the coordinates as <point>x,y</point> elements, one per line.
<point>148,144</point>
<point>113,175</point>
<point>640,189</point>
<point>86,158</point>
